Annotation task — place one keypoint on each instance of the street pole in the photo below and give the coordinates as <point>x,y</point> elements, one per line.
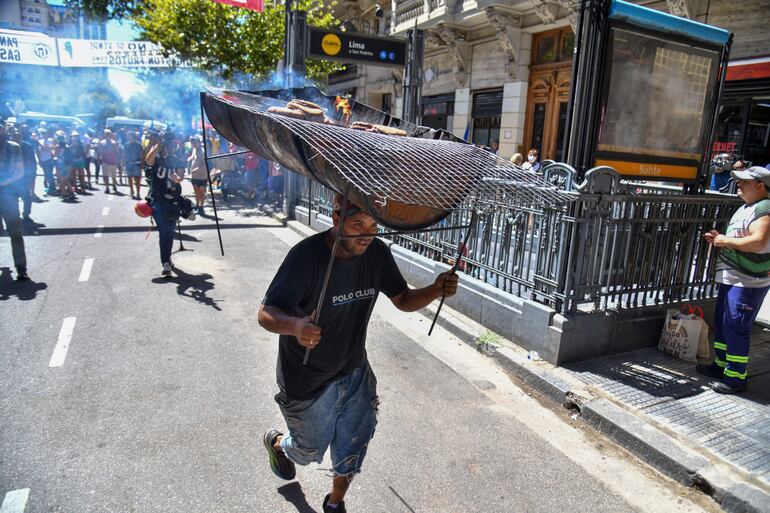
<point>415,49</point>
<point>294,47</point>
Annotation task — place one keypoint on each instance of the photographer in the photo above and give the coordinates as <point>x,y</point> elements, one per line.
<point>164,171</point>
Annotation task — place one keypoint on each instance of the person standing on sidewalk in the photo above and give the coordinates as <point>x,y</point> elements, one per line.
<point>11,172</point>
<point>743,275</point>
<point>332,401</point>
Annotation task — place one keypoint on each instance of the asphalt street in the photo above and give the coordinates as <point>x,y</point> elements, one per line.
<point>125,392</point>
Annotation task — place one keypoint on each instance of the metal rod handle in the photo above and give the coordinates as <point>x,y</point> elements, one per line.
<point>337,238</point>
<point>454,269</point>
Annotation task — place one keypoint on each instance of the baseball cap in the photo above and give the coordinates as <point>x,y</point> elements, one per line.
<point>753,173</point>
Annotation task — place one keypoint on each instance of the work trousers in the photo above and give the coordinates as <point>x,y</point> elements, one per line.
<point>48,179</point>
<point>9,211</point>
<point>736,310</point>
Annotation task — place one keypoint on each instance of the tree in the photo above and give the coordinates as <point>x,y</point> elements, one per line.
<point>102,100</point>
<point>216,37</point>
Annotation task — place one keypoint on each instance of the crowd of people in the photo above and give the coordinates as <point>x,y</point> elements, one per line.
<point>76,161</point>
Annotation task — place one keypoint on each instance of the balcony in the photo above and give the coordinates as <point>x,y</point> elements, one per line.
<point>427,13</point>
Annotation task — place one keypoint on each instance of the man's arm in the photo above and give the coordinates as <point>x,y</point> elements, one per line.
<point>275,320</point>
<point>756,240</point>
<point>413,299</point>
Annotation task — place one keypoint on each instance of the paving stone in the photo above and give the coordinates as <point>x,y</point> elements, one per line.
<point>668,390</point>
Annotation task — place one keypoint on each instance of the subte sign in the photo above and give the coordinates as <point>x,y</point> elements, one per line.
<point>340,46</point>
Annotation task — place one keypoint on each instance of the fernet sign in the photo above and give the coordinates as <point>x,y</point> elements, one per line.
<point>19,47</point>
<point>93,53</point>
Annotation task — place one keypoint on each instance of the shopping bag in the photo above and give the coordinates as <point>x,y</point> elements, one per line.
<point>682,334</point>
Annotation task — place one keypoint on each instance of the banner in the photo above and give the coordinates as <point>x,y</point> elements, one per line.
<point>93,53</point>
<point>19,47</point>
<point>254,5</point>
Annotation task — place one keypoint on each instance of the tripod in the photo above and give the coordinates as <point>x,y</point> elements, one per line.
<point>181,244</point>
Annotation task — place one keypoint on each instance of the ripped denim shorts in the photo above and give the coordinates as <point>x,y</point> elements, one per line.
<point>343,417</point>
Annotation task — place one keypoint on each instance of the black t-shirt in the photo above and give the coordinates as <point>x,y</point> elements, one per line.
<point>10,156</point>
<point>162,186</point>
<point>350,296</point>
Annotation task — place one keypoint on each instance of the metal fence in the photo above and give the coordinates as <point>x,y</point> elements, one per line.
<point>620,245</point>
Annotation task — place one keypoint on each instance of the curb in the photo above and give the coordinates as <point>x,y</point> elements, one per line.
<point>652,445</point>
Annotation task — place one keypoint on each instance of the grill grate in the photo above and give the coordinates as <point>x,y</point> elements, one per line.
<point>440,174</point>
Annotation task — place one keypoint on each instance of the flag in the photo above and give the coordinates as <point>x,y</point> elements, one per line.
<point>254,5</point>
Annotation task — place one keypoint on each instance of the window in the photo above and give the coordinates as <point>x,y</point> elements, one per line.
<point>487,111</point>
<point>757,141</point>
<point>438,111</point>
<point>553,46</point>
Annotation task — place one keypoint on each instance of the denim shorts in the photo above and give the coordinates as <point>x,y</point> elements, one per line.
<point>343,417</point>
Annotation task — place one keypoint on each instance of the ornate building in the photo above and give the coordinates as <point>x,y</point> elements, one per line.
<point>28,87</point>
<point>498,72</point>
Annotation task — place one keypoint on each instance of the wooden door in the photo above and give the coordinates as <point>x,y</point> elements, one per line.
<point>547,99</point>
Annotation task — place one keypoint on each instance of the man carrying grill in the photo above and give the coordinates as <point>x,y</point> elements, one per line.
<point>743,274</point>
<point>331,402</point>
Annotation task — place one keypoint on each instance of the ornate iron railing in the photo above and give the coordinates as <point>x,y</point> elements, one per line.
<point>620,245</point>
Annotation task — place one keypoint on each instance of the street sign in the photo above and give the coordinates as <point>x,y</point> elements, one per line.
<point>341,46</point>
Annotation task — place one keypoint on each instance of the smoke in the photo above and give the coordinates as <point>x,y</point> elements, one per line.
<point>169,95</point>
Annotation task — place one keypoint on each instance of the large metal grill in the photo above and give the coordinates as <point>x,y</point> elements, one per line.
<point>419,170</point>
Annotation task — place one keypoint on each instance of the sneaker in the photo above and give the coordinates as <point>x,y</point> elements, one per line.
<point>191,216</point>
<point>281,466</point>
<point>723,388</point>
<point>21,274</point>
<point>106,190</point>
<point>712,370</point>
<point>166,270</point>
<point>339,509</point>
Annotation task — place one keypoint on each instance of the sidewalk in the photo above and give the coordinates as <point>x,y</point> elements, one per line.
<point>660,409</point>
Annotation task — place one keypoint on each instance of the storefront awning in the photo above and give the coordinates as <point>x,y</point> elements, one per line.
<point>748,69</point>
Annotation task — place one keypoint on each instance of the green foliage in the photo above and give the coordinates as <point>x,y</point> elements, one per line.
<point>116,9</point>
<point>221,38</point>
<point>487,341</point>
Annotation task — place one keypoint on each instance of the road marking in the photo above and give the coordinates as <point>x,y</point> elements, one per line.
<point>99,231</point>
<point>85,272</point>
<point>15,501</point>
<point>106,211</point>
<point>65,335</point>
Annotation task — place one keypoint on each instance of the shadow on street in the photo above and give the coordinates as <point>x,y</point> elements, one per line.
<point>293,493</point>
<point>24,290</point>
<point>194,286</point>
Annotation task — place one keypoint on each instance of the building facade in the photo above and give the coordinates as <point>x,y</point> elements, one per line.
<point>498,72</point>
<point>29,87</point>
